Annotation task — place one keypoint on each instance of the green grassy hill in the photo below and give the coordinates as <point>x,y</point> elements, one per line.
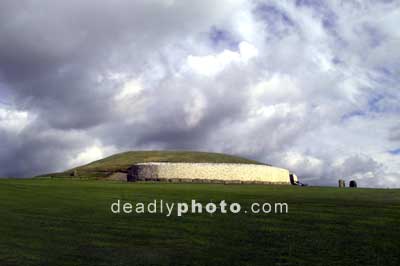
<point>122,161</point>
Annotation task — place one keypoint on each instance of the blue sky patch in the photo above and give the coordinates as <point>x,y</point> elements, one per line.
<point>395,151</point>
<point>220,37</point>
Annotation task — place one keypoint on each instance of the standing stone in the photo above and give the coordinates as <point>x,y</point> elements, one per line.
<point>353,183</point>
<point>342,183</point>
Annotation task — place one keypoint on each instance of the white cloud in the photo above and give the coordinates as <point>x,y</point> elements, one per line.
<point>247,51</point>
<point>90,154</point>
<point>194,108</point>
<point>311,167</point>
<point>210,65</point>
<point>14,120</point>
<point>130,88</point>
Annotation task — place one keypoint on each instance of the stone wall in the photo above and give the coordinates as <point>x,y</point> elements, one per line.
<point>117,176</point>
<point>203,172</point>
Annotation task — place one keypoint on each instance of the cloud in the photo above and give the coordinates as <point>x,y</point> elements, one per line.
<point>311,86</point>
<point>210,65</point>
<point>14,121</point>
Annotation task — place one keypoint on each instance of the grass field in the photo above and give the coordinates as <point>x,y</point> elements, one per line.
<point>68,222</point>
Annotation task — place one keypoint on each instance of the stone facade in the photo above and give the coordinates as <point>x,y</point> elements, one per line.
<point>118,176</point>
<point>209,172</point>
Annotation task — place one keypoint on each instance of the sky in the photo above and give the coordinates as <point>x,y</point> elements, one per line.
<point>311,86</point>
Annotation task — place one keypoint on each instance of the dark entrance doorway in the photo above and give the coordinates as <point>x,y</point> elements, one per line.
<point>292,179</point>
<point>133,174</point>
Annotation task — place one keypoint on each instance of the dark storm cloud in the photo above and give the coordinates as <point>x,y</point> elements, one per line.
<point>38,151</point>
<point>52,53</point>
<point>56,56</point>
<point>167,121</point>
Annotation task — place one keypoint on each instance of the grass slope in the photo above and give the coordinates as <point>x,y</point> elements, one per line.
<point>68,223</point>
<point>122,161</point>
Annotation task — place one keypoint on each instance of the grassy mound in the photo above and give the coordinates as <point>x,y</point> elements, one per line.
<point>122,161</point>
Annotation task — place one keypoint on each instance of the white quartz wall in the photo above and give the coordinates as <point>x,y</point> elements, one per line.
<point>215,171</point>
